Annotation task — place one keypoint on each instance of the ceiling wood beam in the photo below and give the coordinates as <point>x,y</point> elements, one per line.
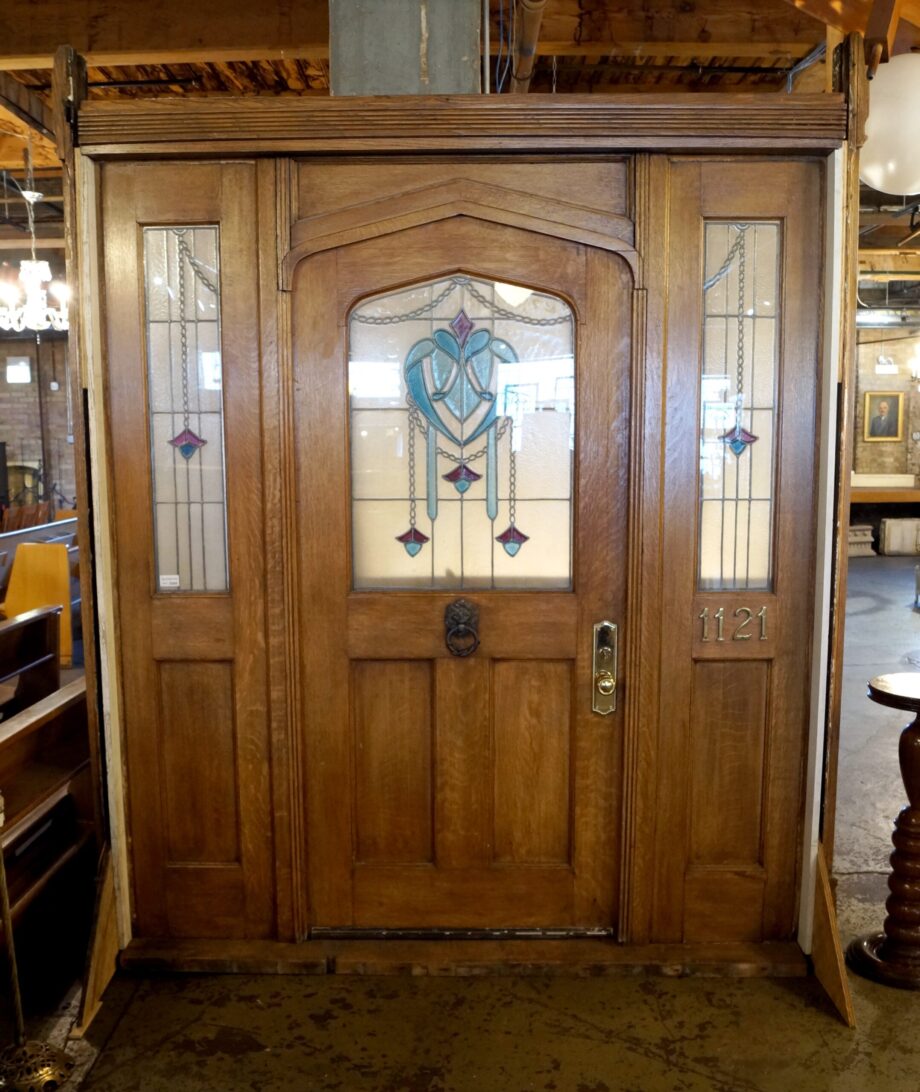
<point>845,15</point>
<point>854,15</point>
<point>198,55</point>
<point>101,30</point>
<point>23,104</point>
<point>13,139</point>
<point>22,243</point>
<point>792,50</point>
<point>882,27</point>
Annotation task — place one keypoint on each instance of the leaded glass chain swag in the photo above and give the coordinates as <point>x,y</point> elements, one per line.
<point>187,442</point>
<point>737,438</point>
<point>451,380</point>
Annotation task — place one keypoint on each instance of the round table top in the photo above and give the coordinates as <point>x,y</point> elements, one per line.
<point>900,690</point>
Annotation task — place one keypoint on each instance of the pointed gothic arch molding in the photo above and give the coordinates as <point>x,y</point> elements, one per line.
<point>459,197</point>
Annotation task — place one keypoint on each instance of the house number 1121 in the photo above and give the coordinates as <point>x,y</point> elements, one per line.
<point>743,620</point>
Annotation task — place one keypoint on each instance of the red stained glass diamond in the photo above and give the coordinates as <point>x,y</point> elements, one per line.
<point>512,540</point>
<point>461,326</point>
<point>187,443</point>
<point>413,540</point>
<point>461,477</point>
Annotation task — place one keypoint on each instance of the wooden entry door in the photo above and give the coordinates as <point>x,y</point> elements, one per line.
<point>447,791</point>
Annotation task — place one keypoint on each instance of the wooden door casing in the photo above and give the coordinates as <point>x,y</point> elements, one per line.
<point>193,666</point>
<point>409,822</point>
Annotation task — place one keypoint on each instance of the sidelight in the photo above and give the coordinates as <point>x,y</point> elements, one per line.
<point>738,404</point>
<point>184,381</point>
<point>462,437</point>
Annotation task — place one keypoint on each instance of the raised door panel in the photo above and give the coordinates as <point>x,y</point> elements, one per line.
<point>181,263</point>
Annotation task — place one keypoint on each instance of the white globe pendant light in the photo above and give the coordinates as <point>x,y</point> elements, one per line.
<point>890,159</point>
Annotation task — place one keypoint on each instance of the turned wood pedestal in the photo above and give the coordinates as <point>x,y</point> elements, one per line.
<point>893,956</point>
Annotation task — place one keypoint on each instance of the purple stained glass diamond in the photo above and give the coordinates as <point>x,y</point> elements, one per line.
<point>738,439</point>
<point>413,540</point>
<point>461,477</point>
<point>461,325</point>
<point>187,443</point>
<point>512,540</point>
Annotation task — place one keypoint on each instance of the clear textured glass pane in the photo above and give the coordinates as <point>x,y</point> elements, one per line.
<point>462,404</point>
<point>738,405</point>
<point>182,314</point>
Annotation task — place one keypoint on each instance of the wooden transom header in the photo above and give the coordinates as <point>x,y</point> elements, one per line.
<point>694,122</point>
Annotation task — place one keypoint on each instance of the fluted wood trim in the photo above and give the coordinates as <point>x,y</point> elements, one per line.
<point>459,122</point>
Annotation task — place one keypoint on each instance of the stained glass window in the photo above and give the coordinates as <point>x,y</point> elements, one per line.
<point>182,298</point>
<point>738,411</point>
<point>462,402</point>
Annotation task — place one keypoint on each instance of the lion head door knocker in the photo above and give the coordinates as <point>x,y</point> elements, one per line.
<point>461,627</point>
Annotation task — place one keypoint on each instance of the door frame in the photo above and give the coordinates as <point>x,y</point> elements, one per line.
<point>565,129</point>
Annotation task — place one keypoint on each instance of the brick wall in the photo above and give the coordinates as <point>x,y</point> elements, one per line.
<point>21,414</point>
<point>903,347</point>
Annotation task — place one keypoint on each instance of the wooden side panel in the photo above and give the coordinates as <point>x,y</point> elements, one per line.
<point>392,720</point>
<point>734,704</point>
<point>199,749</point>
<point>194,666</point>
<point>532,730</point>
<point>463,800</point>
<point>722,905</point>
<point>724,888</point>
<point>330,187</point>
<point>727,733</point>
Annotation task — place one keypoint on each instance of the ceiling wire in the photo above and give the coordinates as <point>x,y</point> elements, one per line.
<point>505,44</point>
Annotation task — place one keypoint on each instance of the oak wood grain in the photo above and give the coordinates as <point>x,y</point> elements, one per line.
<point>560,803</point>
<point>762,888</point>
<point>458,123</point>
<point>393,792</point>
<point>163,757</point>
<point>533,743</point>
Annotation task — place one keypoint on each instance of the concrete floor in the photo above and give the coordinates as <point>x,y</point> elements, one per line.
<point>636,1034</point>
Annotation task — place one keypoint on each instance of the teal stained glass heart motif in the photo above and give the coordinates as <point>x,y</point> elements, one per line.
<point>451,377</point>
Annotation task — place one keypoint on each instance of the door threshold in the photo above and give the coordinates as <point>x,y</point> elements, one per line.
<point>578,957</point>
<point>351,932</point>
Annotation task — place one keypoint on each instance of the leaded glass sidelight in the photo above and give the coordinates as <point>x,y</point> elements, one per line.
<point>462,403</point>
<point>738,411</point>
<point>182,298</point>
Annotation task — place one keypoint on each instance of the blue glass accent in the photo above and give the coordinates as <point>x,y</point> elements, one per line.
<point>512,540</point>
<point>492,472</point>
<point>187,443</point>
<point>431,461</point>
<point>738,439</point>
<point>413,540</point>
<point>461,478</point>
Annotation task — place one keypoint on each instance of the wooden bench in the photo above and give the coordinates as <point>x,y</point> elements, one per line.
<point>46,785</point>
<point>45,775</point>
<point>45,574</point>
<point>30,662</point>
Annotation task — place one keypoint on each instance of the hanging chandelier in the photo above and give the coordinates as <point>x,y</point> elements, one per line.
<point>26,306</point>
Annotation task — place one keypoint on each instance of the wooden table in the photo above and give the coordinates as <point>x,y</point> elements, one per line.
<point>893,956</point>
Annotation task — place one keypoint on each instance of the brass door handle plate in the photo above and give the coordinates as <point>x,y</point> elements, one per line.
<point>604,669</point>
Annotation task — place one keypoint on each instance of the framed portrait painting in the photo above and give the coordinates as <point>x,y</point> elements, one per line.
<point>883,416</point>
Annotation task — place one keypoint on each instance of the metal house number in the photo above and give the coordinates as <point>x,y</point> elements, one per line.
<point>744,621</point>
